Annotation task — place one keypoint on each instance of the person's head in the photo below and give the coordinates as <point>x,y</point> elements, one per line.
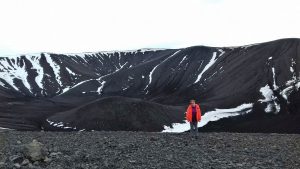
<point>193,102</point>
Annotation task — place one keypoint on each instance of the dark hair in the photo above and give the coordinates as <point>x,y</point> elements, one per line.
<point>193,100</point>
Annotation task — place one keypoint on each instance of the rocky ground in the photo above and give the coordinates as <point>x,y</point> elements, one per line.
<point>147,150</point>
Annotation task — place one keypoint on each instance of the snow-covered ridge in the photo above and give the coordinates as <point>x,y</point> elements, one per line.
<point>17,67</point>
<point>14,68</point>
<point>215,115</point>
<point>142,50</point>
<point>243,46</point>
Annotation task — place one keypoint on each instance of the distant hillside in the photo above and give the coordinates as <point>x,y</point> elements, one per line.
<point>70,88</point>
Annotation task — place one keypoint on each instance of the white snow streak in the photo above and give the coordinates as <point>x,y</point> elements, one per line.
<point>291,84</point>
<point>298,85</point>
<point>121,66</point>
<point>211,62</point>
<point>2,84</point>
<point>274,81</point>
<point>3,128</point>
<point>222,52</point>
<point>286,92</point>
<point>70,72</point>
<point>55,67</point>
<point>152,71</point>
<point>65,89</point>
<point>101,87</point>
<point>68,88</point>
<point>215,115</point>
<point>35,61</point>
<point>150,77</point>
<point>183,59</point>
<point>125,88</point>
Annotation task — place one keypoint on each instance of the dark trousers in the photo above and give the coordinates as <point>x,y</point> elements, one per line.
<point>194,127</point>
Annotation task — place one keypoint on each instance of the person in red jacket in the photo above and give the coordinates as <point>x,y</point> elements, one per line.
<point>193,115</point>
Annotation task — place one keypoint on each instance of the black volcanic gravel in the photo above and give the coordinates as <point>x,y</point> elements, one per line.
<point>155,150</point>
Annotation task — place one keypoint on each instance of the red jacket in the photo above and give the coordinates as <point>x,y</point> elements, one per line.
<point>189,113</point>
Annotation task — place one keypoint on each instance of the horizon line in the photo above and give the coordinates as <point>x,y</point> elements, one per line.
<point>136,49</point>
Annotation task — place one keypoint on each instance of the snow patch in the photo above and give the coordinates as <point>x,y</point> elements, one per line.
<point>292,69</point>
<point>267,93</point>
<point>286,92</point>
<point>101,87</point>
<point>60,125</point>
<point>3,128</point>
<point>298,85</point>
<point>270,99</point>
<point>215,115</point>
<point>125,88</point>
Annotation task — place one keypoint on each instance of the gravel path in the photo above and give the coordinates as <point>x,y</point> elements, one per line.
<point>153,150</point>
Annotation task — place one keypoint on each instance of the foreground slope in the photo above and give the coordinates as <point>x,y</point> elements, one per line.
<point>36,87</point>
<point>153,150</point>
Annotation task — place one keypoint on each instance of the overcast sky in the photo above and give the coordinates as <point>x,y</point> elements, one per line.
<point>71,26</point>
